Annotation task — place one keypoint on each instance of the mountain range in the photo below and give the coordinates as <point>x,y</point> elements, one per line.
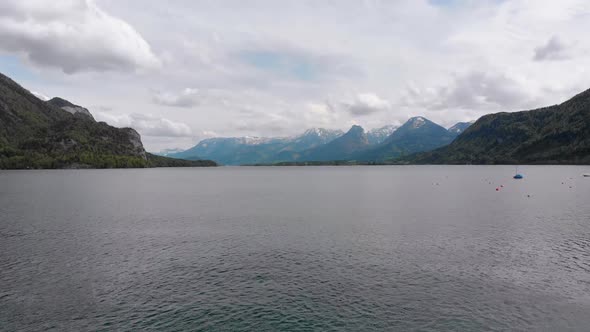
<point>251,150</point>
<point>318,144</point>
<point>558,134</point>
<point>58,134</point>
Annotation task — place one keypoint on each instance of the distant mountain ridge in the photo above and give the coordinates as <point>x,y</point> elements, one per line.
<point>318,144</point>
<point>251,150</point>
<point>167,152</point>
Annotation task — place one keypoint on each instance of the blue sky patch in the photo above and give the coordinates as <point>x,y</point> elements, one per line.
<point>282,64</point>
<point>12,67</point>
<point>442,3</point>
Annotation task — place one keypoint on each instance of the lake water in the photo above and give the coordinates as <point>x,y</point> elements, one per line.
<point>429,248</point>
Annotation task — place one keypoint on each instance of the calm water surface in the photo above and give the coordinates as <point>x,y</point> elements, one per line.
<point>429,248</point>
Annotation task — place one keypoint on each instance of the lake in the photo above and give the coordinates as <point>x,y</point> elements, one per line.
<point>368,248</point>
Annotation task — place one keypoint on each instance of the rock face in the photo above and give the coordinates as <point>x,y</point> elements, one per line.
<point>69,107</point>
<point>39,134</point>
<point>78,109</point>
<point>135,140</point>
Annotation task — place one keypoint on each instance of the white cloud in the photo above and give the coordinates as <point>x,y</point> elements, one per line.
<point>154,126</point>
<point>476,90</point>
<point>73,35</point>
<point>186,98</point>
<point>271,70</point>
<point>40,95</point>
<point>146,125</point>
<point>320,115</point>
<point>366,104</point>
<point>209,134</point>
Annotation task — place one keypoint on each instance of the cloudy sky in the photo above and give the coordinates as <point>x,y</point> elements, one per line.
<point>179,71</point>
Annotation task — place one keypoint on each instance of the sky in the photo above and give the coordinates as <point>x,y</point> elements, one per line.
<point>180,71</point>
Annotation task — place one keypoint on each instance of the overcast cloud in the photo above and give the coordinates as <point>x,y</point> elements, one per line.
<point>554,49</point>
<point>180,71</point>
<point>366,104</point>
<point>147,124</point>
<point>186,98</point>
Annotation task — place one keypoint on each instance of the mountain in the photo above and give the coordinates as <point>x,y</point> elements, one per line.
<point>234,150</point>
<point>558,134</point>
<point>167,152</point>
<point>312,138</point>
<point>39,134</point>
<point>416,135</point>
<point>459,127</point>
<point>318,144</point>
<point>378,135</point>
<point>69,107</point>
<point>341,148</point>
<point>253,150</point>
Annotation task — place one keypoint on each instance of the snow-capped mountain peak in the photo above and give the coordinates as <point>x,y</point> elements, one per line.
<point>417,121</point>
<point>321,132</point>
<point>460,127</point>
<point>385,130</point>
<point>378,135</point>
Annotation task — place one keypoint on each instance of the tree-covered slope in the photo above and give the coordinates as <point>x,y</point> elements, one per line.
<point>558,134</point>
<point>161,161</point>
<point>39,134</point>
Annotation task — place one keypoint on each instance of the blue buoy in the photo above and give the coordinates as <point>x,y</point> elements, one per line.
<point>518,176</point>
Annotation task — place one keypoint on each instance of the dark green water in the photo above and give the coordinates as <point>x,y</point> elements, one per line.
<point>295,249</point>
